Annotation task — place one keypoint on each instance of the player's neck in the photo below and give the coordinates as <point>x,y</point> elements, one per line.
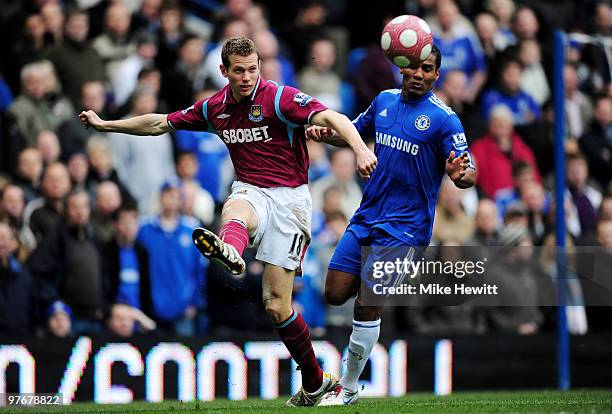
<point>237,97</point>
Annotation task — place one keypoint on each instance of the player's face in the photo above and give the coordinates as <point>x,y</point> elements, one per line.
<point>242,74</point>
<point>419,80</point>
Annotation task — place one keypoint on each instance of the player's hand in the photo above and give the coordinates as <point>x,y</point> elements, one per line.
<point>91,119</point>
<point>456,167</point>
<point>366,162</point>
<point>319,134</point>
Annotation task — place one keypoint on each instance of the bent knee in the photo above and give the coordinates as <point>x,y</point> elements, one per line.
<point>334,297</point>
<point>277,310</point>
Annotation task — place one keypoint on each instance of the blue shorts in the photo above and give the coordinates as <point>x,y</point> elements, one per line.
<point>377,244</point>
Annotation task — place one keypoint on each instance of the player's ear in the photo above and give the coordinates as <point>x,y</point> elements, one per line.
<point>223,70</point>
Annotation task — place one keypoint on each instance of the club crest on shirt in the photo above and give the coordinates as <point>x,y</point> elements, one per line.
<point>302,99</point>
<point>256,113</point>
<point>422,122</point>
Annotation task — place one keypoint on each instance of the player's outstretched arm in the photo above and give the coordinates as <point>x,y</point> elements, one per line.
<point>460,171</point>
<point>149,124</point>
<point>344,128</point>
<point>325,135</point>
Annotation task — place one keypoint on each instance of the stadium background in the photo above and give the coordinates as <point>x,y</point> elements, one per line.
<point>129,64</point>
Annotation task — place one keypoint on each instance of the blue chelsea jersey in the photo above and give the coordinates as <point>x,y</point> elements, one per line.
<point>413,139</point>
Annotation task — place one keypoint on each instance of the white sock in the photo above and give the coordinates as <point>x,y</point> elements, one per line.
<point>364,336</point>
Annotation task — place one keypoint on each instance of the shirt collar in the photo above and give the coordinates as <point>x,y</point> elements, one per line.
<point>421,99</point>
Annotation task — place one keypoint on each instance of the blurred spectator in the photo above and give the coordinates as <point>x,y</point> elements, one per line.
<point>49,147</point>
<point>533,197</point>
<point>268,47</point>
<point>453,93</point>
<point>494,153</point>
<point>197,202</point>
<point>515,307</point>
<point>14,288</point>
<point>29,173</point>
<point>596,143</point>
<point>147,77</point>
<point>126,262</point>
<point>492,38</point>
<point>178,271</point>
<point>78,168</point>
<point>309,24</point>
<point>318,77</point>
<point>68,259</point>
<point>107,201</point>
<point>59,320</point>
<point>486,224</point>
<point>533,79</point>
<point>43,213</point>
<point>374,73</point>
<point>75,61</point>
<point>39,107</point>
<point>146,18</point>
<point>575,311</point>
<point>53,18</point>
<point>124,321</point>
<point>322,248</point>
<point>516,213</point>
<point>12,206</point>
<point>124,76</point>
<point>186,75</point>
<point>233,28</point>
<point>257,18</point>
<point>169,34</point>
<point>522,174</point>
<point>605,209</point>
<point>114,44</point>
<point>28,49</point>
<point>343,177</point>
<point>460,47</point>
<point>578,107</point>
<point>134,155</point>
<point>522,105</point>
<point>73,137</point>
<point>585,199</point>
<point>271,70</point>
<point>596,287</point>
<point>101,166</point>
<point>503,10</point>
<point>450,221</point>
<point>526,25</point>
<point>319,162</point>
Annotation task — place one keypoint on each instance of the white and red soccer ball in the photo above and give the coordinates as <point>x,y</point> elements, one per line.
<point>406,40</point>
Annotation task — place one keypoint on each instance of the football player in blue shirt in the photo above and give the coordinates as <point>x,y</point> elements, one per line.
<point>417,139</point>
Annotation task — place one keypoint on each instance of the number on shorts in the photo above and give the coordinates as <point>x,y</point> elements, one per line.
<point>296,245</point>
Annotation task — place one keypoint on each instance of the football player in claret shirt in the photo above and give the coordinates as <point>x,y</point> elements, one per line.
<point>262,125</point>
<point>417,139</point>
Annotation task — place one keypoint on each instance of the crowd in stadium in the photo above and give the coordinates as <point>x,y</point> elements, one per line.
<point>95,229</point>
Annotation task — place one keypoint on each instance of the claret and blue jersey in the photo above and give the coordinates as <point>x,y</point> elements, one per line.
<point>413,139</point>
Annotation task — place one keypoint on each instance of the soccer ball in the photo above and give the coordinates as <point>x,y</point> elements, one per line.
<point>406,40</point>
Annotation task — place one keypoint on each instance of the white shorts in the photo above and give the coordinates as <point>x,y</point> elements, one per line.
<point>284,214</point>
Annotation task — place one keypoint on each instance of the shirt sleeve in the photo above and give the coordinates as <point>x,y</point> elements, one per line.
<point>191,119</point>
<point>365,121</point>
<point>295,107</point>
<point>453,138</point>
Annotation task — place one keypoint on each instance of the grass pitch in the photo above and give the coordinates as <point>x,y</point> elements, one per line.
<point>592,401</point>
